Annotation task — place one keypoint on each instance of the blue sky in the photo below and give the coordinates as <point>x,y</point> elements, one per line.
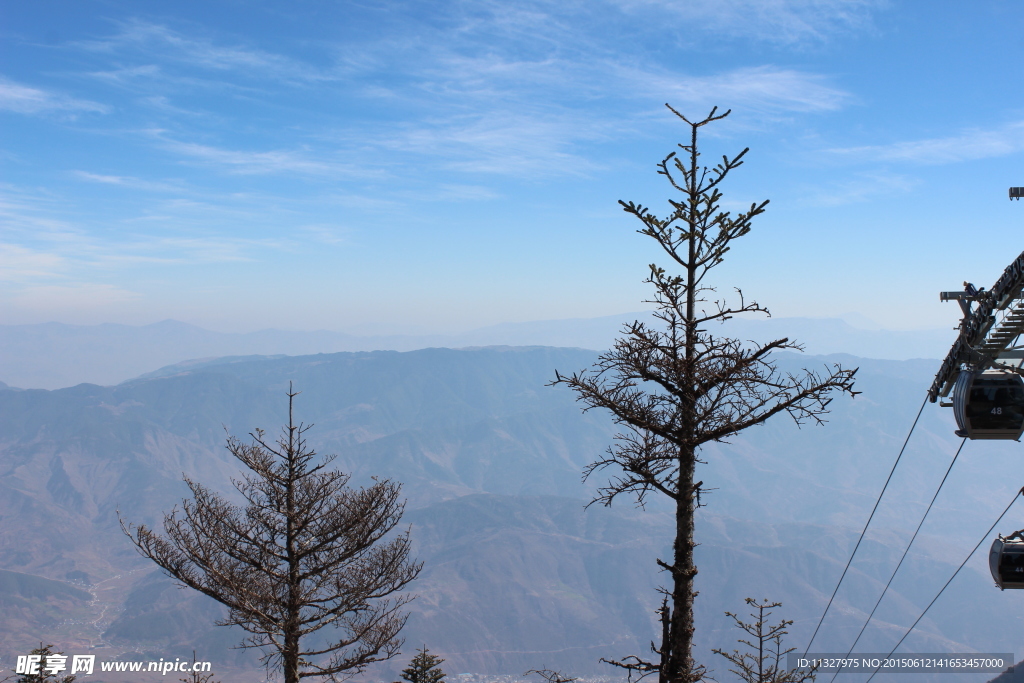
<point>421,166</point>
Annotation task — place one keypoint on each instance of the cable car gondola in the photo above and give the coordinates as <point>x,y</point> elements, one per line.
<point>989,404</point>
<point>1006,561</point>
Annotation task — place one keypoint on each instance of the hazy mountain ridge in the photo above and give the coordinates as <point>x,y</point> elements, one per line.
<point>482,446</point>
<point>55,355</point>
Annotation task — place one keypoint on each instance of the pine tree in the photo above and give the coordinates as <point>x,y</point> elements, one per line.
<point>307,552</point>
<point>674,387</point>
<point>424,668</point>
<point>47,668</point>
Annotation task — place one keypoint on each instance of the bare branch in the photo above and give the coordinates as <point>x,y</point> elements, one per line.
<point>551,676</point>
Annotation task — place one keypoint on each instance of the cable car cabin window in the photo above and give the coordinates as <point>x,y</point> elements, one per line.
<point>996,404</point>
<point>1011,566</point>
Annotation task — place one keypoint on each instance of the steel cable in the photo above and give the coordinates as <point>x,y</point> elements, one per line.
<point>973,550</point>
<point>900,563</point>
<point>864,531</point>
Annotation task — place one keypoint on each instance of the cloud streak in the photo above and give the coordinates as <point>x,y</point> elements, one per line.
<point>126,182</point>
<point>21,264</point>
<point>760,88</point>
<point>537,143</point>
<point>37,246</point>
<point>969,145</point>
<point>244,162</point>
<point>487,88</point>
<point>511,115</point>
<point>860,188</point>
<point>163,42</point>
<point>25,99</point>
<point>785,22</point>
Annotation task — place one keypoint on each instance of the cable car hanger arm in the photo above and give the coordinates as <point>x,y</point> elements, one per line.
<point>971,346</point>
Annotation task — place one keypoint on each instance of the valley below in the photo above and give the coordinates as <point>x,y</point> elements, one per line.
<point>518,573</point>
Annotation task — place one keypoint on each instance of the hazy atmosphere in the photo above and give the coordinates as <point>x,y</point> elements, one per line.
<point>394,228</point>
<point>418,167</point>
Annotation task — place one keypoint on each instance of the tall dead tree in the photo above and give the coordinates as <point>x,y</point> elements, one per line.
<point>305,553</point>
<point>673,387</point>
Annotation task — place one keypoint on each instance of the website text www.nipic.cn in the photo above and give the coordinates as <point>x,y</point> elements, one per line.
<point>54,664</point>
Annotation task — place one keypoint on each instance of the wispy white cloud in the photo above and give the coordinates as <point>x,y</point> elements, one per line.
<point>152,82</point>
<point>966,146</point>
<point>500,78</point>
<point>122,75</point>
<point>23,264</point>
<point>263,162</point>
<point>24,99</point>
<point>204,53</point>
<point>184,250</point>
<point>465,193</point>
<point>774,21</point>
<point>31,215</point>
<point>859,188</point>
<point>332,235</point>
<point>39,245</point>
<point>126,182</point>
<point>500,142</point>
<point>373,203</point>
<point>589,74</point>
<point>521,90</point>
<point>163,104</point>
<point>513,90</point>
<point>538,121</point>
<point>760,88</point>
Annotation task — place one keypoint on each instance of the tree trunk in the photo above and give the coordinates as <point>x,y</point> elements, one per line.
<point>679,659</point>
<point>291,658</point>
<point>291,627</point>
<point>677,662</point>
<point>680,662</point>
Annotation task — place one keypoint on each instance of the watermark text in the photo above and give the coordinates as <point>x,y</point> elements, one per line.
<point>53,664</point>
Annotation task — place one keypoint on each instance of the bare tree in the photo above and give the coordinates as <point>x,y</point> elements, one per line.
<point>675,389</point>
<point>552,676</point>
<point>305,553</point>
<point>196,676</point>
<point>763,662</point>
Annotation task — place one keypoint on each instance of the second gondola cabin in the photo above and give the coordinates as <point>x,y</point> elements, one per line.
<point>989,404</point>
<point>1006,561</point>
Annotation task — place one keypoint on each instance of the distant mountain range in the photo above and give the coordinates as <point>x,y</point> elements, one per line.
<point>517,574</point>
<point>54,355</point>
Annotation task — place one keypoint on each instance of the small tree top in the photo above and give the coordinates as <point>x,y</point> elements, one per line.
<point>47,669</point>
<point>763,660</point>
<point>424,668</point>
